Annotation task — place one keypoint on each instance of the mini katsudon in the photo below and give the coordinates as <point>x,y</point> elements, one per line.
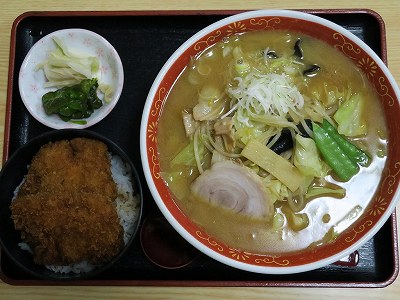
<point>65,208</point>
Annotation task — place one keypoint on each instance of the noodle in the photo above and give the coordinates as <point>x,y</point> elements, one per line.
<point>196,151</point>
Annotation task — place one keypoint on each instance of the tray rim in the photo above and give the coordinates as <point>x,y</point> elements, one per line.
<point>190,283</point>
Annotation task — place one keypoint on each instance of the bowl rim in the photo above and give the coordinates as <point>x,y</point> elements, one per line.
<point>105,109</point>
<point>144,147</point>
<point>68,134</point>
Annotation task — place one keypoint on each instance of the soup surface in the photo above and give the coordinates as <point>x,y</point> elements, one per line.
<point>252,101</point>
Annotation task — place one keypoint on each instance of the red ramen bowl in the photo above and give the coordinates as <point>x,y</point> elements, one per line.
<point>385,196</point>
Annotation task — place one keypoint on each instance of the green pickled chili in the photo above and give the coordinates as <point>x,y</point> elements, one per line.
<point>73,102</point>
<point>334,156</point>
<point>352,151</point>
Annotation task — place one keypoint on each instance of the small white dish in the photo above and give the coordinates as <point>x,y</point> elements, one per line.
<point>31,81</point>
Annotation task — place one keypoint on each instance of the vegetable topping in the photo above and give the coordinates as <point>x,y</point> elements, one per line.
<point>267,120</point>
<point>341,155</point>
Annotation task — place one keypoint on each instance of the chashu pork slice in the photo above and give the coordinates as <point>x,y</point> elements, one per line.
<point>234,187</point>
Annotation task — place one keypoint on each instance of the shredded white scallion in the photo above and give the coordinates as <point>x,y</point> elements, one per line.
<point>270,94</point>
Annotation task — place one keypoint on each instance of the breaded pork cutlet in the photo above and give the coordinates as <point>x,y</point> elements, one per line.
<point>64,209</point>
<point>78,165</point>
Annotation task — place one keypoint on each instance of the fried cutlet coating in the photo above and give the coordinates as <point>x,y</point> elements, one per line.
<point>64,208</point>
<point>67,228</point>
<point>80,165</point>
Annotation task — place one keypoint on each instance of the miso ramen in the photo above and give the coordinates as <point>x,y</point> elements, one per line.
<point>272,141</point>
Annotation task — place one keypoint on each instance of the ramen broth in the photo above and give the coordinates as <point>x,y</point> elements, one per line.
<point>326,216</point>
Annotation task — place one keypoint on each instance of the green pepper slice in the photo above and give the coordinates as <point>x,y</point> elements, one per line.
<point>335,157</point>
<point>74,102</point>
<point>352,151</point>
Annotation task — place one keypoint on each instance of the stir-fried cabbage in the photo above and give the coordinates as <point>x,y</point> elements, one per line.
<point>349,117</point>
<point>211,104</point>
<point>307,159</point>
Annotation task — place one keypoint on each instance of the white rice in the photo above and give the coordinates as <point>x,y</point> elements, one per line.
<point>127,202</point>
<point>126,205</point>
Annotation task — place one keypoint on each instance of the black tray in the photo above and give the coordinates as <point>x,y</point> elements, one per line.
<point>144,41</point>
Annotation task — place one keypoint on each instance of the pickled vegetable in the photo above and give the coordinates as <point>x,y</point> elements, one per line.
<point>75,102</point>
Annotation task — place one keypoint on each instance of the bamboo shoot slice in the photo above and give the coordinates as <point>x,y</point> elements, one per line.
<point>273,163</point>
